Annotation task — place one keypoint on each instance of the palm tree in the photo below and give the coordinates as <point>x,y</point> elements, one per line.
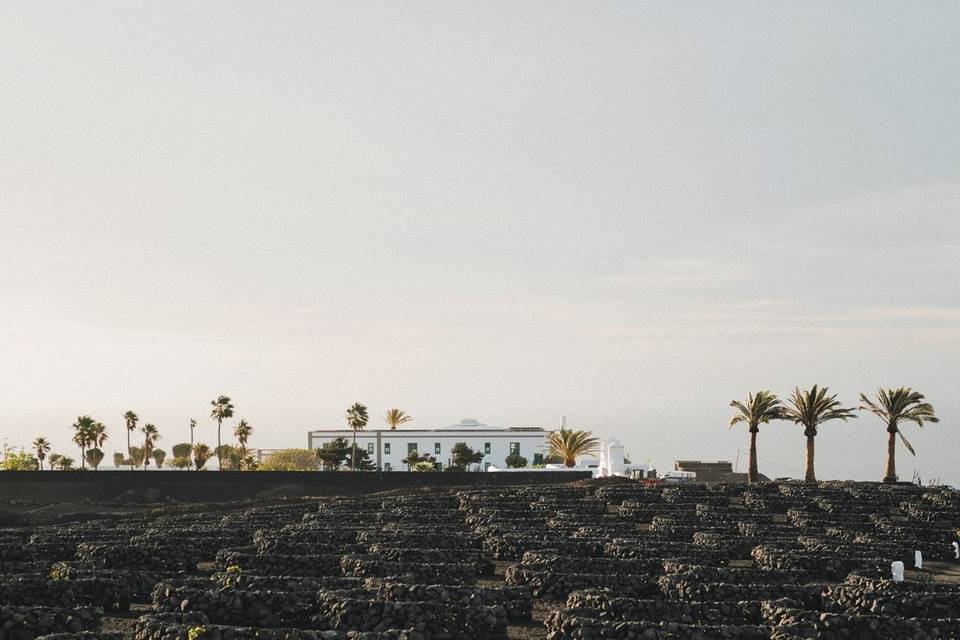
<point>118,460</point>
<point>396,417</point>
<point>201,453</point>
<point>243,431</point>
<point>894,406</point>
<point>94,456</point>
<point>150,436</point>
<point>811,408</point>
<point>760,408</point>
<point>222,409</point>
<point>42,448</point>
<point>98,434</point>
<point>130,419</point>
<point>159,455</point>
<point>83,434</point>
<point>193,425</point>
<point>357,420</point>
<point>570,443</point>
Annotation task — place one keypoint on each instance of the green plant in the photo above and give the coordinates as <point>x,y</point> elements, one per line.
<point>570,443</point>
<point>415,459</point>
<point>130,419</point>
<point>196,633</point>
<point>462,456</point>
<point>291,460</point>
<point>423,465</point>
<point>150,436</point>
<point>201,453</point>
<point>180,462</point>
<point>515,461</point>
<point>94,457</point>
<point>812,408</point>
<point>159,455</point>
<point>181,450</point>
<point>760,408</point>
<point>894,406</point>
<point>119,460</point>
<point>356,420</point>
<point>395,417</point>
<point>222,409</point>
<point>22,461</point>
<point>41,447</point>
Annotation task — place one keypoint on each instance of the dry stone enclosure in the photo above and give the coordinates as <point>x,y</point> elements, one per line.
<point>590,559</point>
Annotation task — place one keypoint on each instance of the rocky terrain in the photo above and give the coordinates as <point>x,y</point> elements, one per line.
<point>590,559</point>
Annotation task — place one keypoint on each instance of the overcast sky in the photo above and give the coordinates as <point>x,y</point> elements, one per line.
<point>628,213</point>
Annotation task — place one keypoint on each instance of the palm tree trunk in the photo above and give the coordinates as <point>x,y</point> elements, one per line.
<point>353,452</point>
<point>219,446</point>
<point>810,476</point>
<point>128,450</point>
<point>891,474</point>
<point>752,474</point>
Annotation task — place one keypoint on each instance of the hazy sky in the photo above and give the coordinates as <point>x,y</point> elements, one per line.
<point>628,213</point>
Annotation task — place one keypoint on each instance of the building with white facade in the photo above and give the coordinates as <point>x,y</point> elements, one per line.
<point>388,447</point>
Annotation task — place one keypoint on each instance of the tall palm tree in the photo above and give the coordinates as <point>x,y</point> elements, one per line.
<point>150,436</point>
<point>83,434</point>
<point>98,434</point>
<point>894,406</point>
<point>222,409</point>
<point>760,408</point>
<point>570,443</point>
<point>193,425</point>
<point>42,448</point>
<point>357,420</point>
<point>243,431</point>
<point>396,417</point>
<point>811,408</point>
<point>130,419</point>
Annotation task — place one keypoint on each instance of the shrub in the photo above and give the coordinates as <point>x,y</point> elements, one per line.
<point>290,460</point>
<point>181,462</point>
<point>516,461</point>
<point>22,461</point>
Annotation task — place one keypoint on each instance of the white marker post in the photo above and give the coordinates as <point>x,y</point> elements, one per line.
<point>896,568</point>
<point>918,560</point>
<point>956,550</point>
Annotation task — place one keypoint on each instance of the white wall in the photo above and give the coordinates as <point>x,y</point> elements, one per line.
<point>530,443</point>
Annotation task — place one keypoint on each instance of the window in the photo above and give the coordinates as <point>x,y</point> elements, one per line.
<point>486,466</point>
<point>436,448</point>
<point>538,458</point>
<point>514,448</point>
<point>438,466</point>
<point>386,449</point>
<point>370,447</point>
<point>411,447</point>
<point>486,447</point>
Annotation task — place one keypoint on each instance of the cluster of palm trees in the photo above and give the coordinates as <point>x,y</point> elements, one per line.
<point>813,407</point>
<point>90,435</point>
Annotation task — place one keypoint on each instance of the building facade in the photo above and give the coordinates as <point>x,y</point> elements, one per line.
<point>388,447</point>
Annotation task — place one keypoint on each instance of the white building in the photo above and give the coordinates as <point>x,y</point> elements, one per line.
<point>388,447</point>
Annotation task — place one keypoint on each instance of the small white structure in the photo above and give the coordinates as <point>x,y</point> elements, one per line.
<point>956,550</point>
<point>918,560</point>
<point>896,569</point>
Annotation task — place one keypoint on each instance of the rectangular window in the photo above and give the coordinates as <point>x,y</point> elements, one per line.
<point>370,447</point>
<point>486,466</point>
<point>486,447</point>
<point>436,448</point>
<point>438,466</point>
<point>411,447</point>
<point>514,448</point>
<point>386,448</point>
<point>538,458</point>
